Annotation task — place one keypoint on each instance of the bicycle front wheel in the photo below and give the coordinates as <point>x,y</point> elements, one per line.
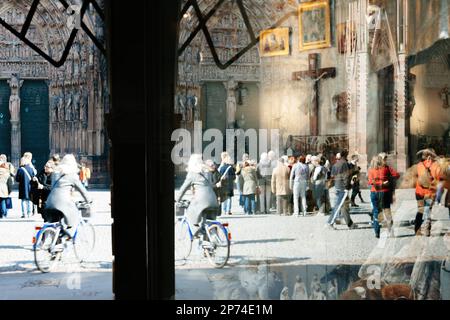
<point>183,240</point>
<point>84,241</point>
<point>45,256</point>
<point>218,251</point>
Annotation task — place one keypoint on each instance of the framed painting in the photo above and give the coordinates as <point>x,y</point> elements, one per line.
<point>314,25</point>
<point>274,42</point>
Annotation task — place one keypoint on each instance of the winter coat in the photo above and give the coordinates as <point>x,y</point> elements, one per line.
<point>41,194</point>
<point>250,181</point>
<point>265,168</point>
<point>4,176</point>
<point>203,195</point>
<point>60,197</point>
<point>280,181</point>
<point>300,172</point>
<point>24,181</point>
<point>228,181</point>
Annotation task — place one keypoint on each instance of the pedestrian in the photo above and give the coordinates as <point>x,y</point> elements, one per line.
<point>319,179</point>
<point>356,189</point>
<point>389,176</point>
<point>273,164</point>
<point>4,192</point>
<point>228,175</point>
<point>10,181</point>
<point>41,187</point>
<point>340,173</point>
<point>428,175</point>
<point>213,176</point>
<point>249,188</point>
<point>265,173</point>
<point>280,186</point>
<point>85,174</point>
<point>64,181</point>
<point>291,163</point>
<point>376,196</point>
<point>239,181</point>
<point>310,201</point>
<point>24,175</point>
<point>298,183</point>
<point>56,159</point>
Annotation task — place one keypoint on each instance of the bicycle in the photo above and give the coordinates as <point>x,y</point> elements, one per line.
<point>49,242</point>
<point>216,242</point>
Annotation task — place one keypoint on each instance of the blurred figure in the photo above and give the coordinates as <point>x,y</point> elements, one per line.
<point>228,176</point>
<point>10,181</point>
<point>24,175</point>
<point>41,187</point>
<point>341,174</point>
<point>56,159</point>
<point>280,186</point>
<point>249,187</point>
<point>319,179</point>
<point>428,173</point>
<point>375,194</point>
<point>273,164</point>
<point>4,192</point>
<point>239,181</point>
<point>298,182</point>
<point>85,174</point>
<point>29,156</point>
<point>213,176</point>
<point>356,190</point>
<point>265,173</point>
<point>59,202</point>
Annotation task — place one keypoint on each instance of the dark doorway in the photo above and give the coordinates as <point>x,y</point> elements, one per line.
<point>34,118</point>
<point>5,124</point>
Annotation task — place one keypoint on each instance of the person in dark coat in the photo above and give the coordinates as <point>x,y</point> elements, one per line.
<point>203,198</point>
<point>41,186</point>
<point>228,175</point>
<point>64,180</point>
<point>23,176</point>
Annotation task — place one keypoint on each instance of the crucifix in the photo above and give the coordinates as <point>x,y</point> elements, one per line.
<point>316,74</point>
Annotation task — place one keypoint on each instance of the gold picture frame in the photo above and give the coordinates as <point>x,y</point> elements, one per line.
<point>314,25</point>
<point>274,42</point>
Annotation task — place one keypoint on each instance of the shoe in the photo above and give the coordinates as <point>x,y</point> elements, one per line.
<point>353,226</point>
<point>355,205</point>
<point>23,216</point>
<point>329,226</point>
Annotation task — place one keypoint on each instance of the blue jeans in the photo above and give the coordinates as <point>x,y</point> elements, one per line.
<point>29,207</point>
<point>318,194</point>
<point>377,206</point>
<point>249,204</point>
<point>334,215</point>
<point>3,210</point>
<point>300,195</point>
<point>226,206</point>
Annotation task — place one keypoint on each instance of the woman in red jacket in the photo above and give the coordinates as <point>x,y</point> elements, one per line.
<point>382,179</point>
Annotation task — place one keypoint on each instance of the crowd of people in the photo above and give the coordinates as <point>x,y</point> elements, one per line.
<point>47,192</point>
<point>300,186</point>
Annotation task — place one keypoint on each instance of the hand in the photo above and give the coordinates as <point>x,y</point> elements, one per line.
<point>40,186</point>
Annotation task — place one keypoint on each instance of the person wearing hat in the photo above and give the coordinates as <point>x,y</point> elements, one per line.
<point>428,172</point>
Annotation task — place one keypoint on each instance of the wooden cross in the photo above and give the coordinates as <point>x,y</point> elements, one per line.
<point>317,74</point>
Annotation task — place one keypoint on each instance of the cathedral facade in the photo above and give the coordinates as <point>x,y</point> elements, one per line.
<point>45,109</point>
<point>369,76</point>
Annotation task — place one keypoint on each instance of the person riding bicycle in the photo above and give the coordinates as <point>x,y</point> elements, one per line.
<point>59,202</point>
<point>204,198</point>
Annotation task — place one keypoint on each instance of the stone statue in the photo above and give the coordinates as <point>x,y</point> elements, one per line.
<point>300,292</point>
<point>68,113</point>
<point>231,103</point>
<point>333,290</point>
<point>284,295</point>
<point>54,107</point>
<point>14,99</point>
<point>75,110</point>
<point>84,107</point>
<point>60,108</point>
<point>315,287</point>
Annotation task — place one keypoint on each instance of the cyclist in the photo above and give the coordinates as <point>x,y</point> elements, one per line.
<point>59,202</point>
<point>204,199</point>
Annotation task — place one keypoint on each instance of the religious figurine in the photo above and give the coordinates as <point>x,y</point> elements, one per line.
<point>182,106</point>
<point>54,107</point>
<point>68,107</point>
<point>60,108</point>
<point>333,291</point>
<point>315,287</point>
<point>284,295</point>
<point>75,109</point>
<point>231,103</point>
<point>14,100</point>
<point>84,107</point>
<point>444,94</point>
<point>300,292</point>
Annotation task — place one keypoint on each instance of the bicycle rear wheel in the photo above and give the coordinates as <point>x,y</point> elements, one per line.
<point>218,251</point>
<point>45,256</point>
<point>84,241</point>
<point>183,240</point>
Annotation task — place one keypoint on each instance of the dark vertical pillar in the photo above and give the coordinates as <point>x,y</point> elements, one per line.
<point>142,60</point>
<point>126,129</point>
<point>160,86</point>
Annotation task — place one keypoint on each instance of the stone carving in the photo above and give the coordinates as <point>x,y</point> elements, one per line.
<point>54,107</point>
<point>61,110</point>
<point>68,108</point>
<point>84,107</point>
<point>300,292</point>
<point>231,86</point>
<point>14,100</point>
